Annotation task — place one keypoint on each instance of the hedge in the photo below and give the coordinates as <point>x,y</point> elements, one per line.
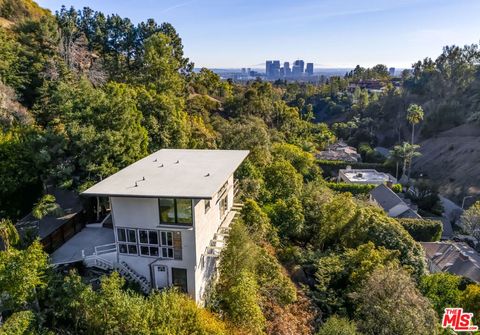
<point>423,230</point>
<point>352,188</point>
<point>332,167</point>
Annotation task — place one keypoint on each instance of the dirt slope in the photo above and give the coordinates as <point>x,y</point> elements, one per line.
<point>452,159</point>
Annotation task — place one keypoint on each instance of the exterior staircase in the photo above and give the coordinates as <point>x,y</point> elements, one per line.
<point>97,261</point>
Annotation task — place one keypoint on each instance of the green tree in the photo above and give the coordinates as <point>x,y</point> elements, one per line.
<point>414,116</point>
<point>8,234</point>
<point>470,300</point>
<point>406,152</point>
<point>282,180</point>
<point>242,306</point>
<point>21,273</point>
<point>256,221</point>
<point>19,323</point>
<point>443,291</point>
<point>287,216</point>
<point>389,303</point>
<point>339,274</point>
<point>471,220</point>
<point>338,326</point>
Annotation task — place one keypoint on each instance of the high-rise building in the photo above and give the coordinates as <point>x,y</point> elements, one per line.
<point>309,70</point>
<point>391,71</point>
<point>275,69</point>
<point>287,69</point>
<point>268,68</point>
<point>298,68</point>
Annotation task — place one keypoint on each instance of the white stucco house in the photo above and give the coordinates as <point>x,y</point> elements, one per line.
<point>170,213</point>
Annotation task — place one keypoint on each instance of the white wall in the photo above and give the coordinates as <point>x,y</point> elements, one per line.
<point>206,225</point>
<point>143,213</point>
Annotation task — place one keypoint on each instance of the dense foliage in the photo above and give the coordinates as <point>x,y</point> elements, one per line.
<point>423,230</point>
<point>84,94</point>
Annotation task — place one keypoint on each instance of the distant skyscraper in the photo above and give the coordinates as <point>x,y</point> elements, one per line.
<point>275,69</point>
<point>287,69</point>
<point>309,69</point>
<point>298,68</point>
<point>391,71</point>
<point>268,68</point>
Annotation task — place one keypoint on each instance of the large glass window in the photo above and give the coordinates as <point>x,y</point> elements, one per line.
<point>148,242</point>
<point>127,239</point>
<point>175,211</point>
<point>167,210</point>
<point>153,243</point>
<point>184,211</point>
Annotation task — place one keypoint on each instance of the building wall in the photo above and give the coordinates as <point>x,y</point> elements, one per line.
<point>206,225</point>
<point>143,213</point>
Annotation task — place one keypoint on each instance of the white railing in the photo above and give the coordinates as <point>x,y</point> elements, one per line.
<point>105,249</point>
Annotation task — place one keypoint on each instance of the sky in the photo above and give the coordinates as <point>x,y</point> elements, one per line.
<point>329,33</point>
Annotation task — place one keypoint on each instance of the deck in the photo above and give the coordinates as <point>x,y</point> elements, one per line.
<point>86,241</point>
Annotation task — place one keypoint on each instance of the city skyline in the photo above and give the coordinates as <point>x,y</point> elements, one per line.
<point>333,34</point>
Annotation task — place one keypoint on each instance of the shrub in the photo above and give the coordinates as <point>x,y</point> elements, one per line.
<point>423,230</point>
<point>338,326</point>
<point>352,188</point>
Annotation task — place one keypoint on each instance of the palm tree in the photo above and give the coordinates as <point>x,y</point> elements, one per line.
<point>8,233</point>
<point>414,116</point>
<point>406,152</point>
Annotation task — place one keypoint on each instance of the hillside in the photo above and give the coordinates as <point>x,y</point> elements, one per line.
<point>14,10</point>
<point>452,159</point>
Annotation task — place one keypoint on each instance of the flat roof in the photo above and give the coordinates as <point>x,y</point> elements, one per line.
<point>176,173</point>
<point>367,175</point>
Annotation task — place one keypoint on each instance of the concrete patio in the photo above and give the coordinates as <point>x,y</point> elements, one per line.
<point>86,240</point>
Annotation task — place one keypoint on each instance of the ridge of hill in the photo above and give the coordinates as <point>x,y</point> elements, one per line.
<point>16,10</point>
<point>452,160</point>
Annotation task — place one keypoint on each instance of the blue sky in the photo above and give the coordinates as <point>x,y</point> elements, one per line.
<point>330,33</point>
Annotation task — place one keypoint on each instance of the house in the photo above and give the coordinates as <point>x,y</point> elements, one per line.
<point>339,151</point>
<point>364,176</point>
<point>453,257</point>
<point>393,205</point>
<point>170,213</point>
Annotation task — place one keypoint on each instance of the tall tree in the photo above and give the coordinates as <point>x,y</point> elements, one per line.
<point>414,116</point>
<point>406,152</point>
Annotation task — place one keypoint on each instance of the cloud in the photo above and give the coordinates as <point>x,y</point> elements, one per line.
<point>183,4</point>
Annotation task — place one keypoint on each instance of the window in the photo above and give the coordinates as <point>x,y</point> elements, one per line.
<point>207,205</point>
<point>167,210</point>
<point>166,243</point>
<point>153,243</point>
<point>148,242</point>
<point>175,211</point>
<point>179,278</point>
<point>128,239</point>
<point>184,211</point>
<point>223,206</point>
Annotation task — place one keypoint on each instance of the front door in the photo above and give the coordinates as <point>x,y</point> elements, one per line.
<point>161,276</point>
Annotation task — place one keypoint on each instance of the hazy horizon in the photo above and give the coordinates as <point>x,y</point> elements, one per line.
<point>331,34</point>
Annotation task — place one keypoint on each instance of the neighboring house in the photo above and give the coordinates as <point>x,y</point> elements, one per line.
<point>365,176</point>
<point>339,151</point>
<point>53,231</point>
<point>395,207</point>
<point>171,212</point>
<point>453,257</point>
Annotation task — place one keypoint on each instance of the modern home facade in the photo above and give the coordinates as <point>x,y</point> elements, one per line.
<point>170,214</point>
